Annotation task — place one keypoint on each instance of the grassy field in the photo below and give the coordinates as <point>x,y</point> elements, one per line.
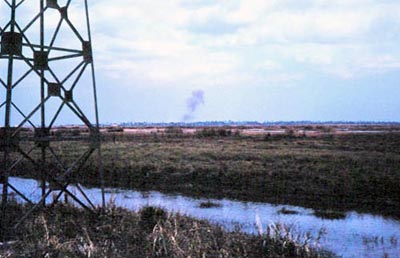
<point>65,231</point>
<point>326,170</point>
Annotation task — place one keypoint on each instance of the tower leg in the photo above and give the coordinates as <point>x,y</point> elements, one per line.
<point>5,174</point>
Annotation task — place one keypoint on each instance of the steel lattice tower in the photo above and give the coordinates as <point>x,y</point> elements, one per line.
<point>46,69</point>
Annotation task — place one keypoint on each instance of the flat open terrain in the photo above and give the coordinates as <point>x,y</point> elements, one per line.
<point>320,167</point>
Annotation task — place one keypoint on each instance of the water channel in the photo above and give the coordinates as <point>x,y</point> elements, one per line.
<point>356,235</point>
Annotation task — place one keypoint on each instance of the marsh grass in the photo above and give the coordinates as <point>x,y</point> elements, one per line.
<point>287,211</point>
<point>209,204</point>
<point>65,231</point>
<point>329,214</point>
<point>332,171</point>
<point>336,172</point>
<point>375,240</point>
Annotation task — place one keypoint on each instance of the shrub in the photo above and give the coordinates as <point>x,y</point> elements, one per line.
<point>150,216</point>
<point>173,131</point>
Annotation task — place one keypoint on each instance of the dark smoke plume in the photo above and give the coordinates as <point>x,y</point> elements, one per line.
<point>193,102</point>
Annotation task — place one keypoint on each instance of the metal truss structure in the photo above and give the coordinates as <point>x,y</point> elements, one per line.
<point>46,65</point>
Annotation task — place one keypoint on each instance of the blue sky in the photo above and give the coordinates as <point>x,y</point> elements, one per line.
<point>254,59</point>
<point>250,59</point>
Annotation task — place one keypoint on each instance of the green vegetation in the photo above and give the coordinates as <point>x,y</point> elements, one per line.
<point>65,231</point>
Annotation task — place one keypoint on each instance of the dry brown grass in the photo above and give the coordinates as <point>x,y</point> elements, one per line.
<point>68,232</point>
<point>332,171</point>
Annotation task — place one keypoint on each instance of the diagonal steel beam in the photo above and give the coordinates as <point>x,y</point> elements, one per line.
<point>79,76</point>
<point>56,115</point>
<point>8,3</point>
<point>22,114</point>
<point>19,193</point>
<point>55,34</point>
<point>44,197</point>
<point>23,156</point>
<point>30,115</point>
<point>22,78</point>
<point>76,32</point>
<point>28,43</point>
<point>79,114</point>
<point>79,168</point>
<point>3,83</point>
<point>73,72</point>
<point>64,57</point>
<point>53,48</point>
<point>33,21</point>
<point>21,2</point>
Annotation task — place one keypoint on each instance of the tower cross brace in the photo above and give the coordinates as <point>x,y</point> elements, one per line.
<point>32,54</point>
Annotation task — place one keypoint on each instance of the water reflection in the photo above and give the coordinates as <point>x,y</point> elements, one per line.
<point>357,235</point>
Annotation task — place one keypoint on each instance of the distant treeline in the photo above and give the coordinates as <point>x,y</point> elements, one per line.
<point>249,123</point>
